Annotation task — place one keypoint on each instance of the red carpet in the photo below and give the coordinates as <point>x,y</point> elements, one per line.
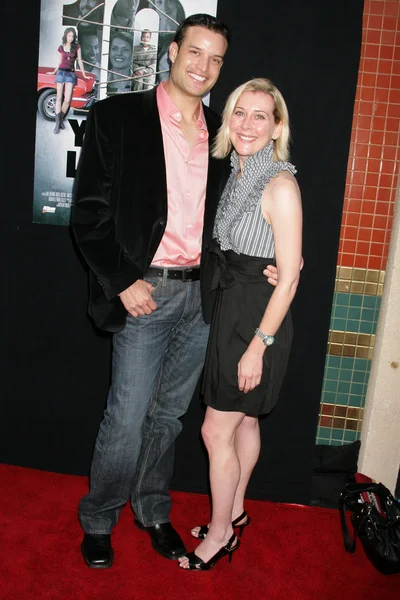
<point>288,552</point>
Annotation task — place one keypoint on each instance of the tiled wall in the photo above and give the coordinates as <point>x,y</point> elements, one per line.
<point>366,225</point>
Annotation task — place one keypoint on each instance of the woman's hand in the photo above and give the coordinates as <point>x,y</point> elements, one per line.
<point>86,77</point>
<point>250,370</point>
<point>51,72</point>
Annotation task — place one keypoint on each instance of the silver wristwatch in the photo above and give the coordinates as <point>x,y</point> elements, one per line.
<point>267,339</point>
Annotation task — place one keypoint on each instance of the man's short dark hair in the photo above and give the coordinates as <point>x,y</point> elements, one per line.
<point>201,20</point>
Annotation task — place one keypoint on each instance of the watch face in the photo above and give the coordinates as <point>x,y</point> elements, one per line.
<point>269,340</point>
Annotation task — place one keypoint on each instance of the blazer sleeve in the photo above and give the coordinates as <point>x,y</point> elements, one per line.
<point>92,220</point>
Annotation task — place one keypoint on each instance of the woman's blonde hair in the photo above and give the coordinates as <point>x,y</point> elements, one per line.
<point>223,145</point>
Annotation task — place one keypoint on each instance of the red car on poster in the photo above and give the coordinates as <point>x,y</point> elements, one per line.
<point>83,95</point>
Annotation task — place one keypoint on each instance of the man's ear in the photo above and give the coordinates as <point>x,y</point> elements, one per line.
<point>173,51</point>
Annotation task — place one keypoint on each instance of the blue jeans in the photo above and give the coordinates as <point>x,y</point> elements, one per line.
<point>157,361</point>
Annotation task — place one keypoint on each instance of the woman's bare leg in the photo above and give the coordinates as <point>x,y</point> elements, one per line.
<point>67,97</point>
<point>247,442</point>
<point>219,429</point>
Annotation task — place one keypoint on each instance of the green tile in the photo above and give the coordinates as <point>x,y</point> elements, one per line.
<point>337,434</point>
<point>329,397</point>
<point>356,401</point>
<point>338,324</point>
<point>359,376</point>
<point>367,327</point>
<point>334,361</point>
<point>356,300</point>
<point>354,313</point>
<point>341,299</point>
<point>342,399</point>
<point>324,432</point>
<point>345,375</point>
<point>371,302</point>
<point>350,436</point>
<point>361,364</point>
<point>344,387</point>
<point>352,325</point>
<point>330,385</point>
<point>357,388</point>
<point>367,314</point>
<point>332,373</point>
<point>340,312</point>
<point>348,363</point>
<point>336,442</point>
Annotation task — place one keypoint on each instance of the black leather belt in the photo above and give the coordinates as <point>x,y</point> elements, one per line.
<point>188,274</point>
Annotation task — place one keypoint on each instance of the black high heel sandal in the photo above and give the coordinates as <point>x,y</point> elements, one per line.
<point>204,528</point>
<point>197,564</point>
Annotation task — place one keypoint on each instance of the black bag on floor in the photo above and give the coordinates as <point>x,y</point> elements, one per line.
<point>375,515</point>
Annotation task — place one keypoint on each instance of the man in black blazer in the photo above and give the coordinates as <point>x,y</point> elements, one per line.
<point>128,196</point>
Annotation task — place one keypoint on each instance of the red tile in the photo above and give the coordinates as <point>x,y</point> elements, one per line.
<point>377,249</point>
<point>384,195</point>
<point>372,36</point>
<point>386,52</point>
<point>385,66</point>
<point>371,65</point>
<point>392,124</point>
<point>389,24</point>
<point>352,219</point>
<point>366,108</point>
<point>375,8</point>
<point>396,54</point>
<point>363,248</point>
<point>364,234</point>
<point>354,205</point>
<point>366,220</point>
<point>374,166</point>
<point>375,152</point>
<point>395,82</point>
<point>358,178</point>
<point>396,64</point>
<point>380,222</point>
<point>375,22</point>
<point>359,164</point>
<point>377,138</point>
<point>350,233</point>
<point>362,136</point>
<point>356,191</point>
<point>378,235</point>
<point>378,124</point>
<point>367,94</point>
<point>374,262</point>
<point>389,167</point>
<point>391,138</point>
<point>394,96</point>
<point>371,51</point>
<point>380,108</point>
<point>349,246</point>
<point>347,260</point>
<point>394,111</point>
<point>361,262</point>
<point>382,208</point>
<point>388,38</point>
<point>372,180</point>
<point>370,193</point>
<point>364,122</point>
<point>361,150</point>
<point>385,180</point>
<point>391,8</point>
<point>383,81</point>
<point>368,208</point>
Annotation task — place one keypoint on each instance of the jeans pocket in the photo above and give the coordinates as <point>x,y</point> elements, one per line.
<point>155,282</point>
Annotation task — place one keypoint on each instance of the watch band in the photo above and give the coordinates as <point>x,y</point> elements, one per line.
<point>267,339</point>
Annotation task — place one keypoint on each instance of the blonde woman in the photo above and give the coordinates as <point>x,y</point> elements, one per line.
<point>259,218</point>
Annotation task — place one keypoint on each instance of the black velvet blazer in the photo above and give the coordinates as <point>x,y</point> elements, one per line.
<point>119,213</point>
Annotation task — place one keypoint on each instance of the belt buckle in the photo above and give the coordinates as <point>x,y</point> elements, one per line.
<point>184,271</point>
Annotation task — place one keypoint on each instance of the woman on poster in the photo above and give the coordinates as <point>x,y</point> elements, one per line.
<point>259,218</point>
<point>68,53</point>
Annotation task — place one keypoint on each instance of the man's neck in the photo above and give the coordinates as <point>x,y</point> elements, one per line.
<point>188,105</point>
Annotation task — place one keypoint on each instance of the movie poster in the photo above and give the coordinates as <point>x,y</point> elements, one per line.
<point>123,48</point>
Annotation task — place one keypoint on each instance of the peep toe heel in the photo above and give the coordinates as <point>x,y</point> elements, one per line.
<point>204,528</point>
<point>197,564</point>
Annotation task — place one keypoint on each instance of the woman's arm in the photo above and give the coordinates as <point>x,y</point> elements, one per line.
<point>281,206</point>
<point>80,63</point>
<point>59,63</point>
